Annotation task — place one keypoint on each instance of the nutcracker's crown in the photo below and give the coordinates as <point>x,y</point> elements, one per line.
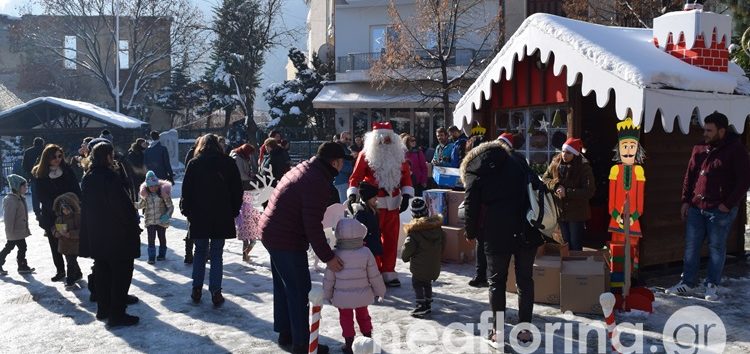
<point>478,130</point>
<point>627,130</point>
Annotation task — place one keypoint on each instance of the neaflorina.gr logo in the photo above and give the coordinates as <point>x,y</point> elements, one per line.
<point>694,330</point>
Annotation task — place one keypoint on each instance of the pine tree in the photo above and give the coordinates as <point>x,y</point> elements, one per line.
<point>291,101</point>
<point>244,33</point>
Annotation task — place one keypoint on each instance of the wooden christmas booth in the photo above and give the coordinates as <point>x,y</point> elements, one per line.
<point>557,77</point>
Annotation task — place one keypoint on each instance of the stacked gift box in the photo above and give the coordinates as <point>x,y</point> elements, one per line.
<point>445,202</point>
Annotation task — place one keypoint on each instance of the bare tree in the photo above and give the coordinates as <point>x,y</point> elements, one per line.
<point>156,32</point>
<point>627,13</point>
<point>439,49</point>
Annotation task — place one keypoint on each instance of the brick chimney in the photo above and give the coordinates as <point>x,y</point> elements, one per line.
<point>696,37</point>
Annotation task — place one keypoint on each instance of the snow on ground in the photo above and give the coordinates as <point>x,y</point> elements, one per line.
<point>41,316</point>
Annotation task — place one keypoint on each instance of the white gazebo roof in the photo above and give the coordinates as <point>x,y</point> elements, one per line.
<point>644,78</point>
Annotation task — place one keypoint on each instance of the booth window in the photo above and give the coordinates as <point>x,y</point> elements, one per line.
<point>540,131</point>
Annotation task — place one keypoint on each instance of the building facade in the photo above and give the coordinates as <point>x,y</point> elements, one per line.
<point>357,32</point>
<point>44,55</point>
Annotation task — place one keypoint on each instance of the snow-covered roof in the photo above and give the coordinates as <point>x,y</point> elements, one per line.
<point>363,95</point>
<point>95,112</point>
<point>620,59</point>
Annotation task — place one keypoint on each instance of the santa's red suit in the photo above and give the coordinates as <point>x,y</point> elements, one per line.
<point>389,196</point>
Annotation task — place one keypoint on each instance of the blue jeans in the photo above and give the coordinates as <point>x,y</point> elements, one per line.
<point>572,233</point>
<point>217,263</point>
<point>291,284</point>
<point>704,224</point>
<point>341,188</point>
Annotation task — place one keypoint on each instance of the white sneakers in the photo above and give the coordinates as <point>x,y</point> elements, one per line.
<point>711,294</point>
<point>679,289</point>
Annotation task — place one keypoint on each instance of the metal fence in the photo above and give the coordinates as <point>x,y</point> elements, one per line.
<point>303,150</point>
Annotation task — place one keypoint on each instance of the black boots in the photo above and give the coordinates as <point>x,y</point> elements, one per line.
<point>217,298</point>
<point>347,347</point>
<point>196,294</point>
<point>23,267</point>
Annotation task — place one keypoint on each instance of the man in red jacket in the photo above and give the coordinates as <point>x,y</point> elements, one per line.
<point>715,183</point>
<point>291,223</point>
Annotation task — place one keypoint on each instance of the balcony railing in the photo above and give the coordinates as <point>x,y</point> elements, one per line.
<point>364,61</point>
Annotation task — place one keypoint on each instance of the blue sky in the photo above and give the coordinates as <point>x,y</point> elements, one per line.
<point>295,13</point>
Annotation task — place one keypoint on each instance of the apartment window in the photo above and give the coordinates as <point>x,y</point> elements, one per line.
<point>124,55</point>
<point>379,37</point>
<point>69,52</point>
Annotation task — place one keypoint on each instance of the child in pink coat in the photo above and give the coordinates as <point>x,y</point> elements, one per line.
<point>355,287</point>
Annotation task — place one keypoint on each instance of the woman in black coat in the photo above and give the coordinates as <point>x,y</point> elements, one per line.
<point>53,178</point>
<point>211,199</point>
<point>110,234</point>
<point>496,202</point>
<point>135,160</point>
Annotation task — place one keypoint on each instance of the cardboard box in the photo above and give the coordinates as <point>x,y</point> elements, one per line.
<point>437,203</point>
<point>446,176</point>
<point>454,199</point>
<point>456,248</point>
<point>547,279</point>
<point>583,277</point>
<point>553,249</point>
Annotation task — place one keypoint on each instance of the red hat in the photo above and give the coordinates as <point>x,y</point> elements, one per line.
<point>382,126</point>
<point>573,145</point>
<point>507,138</point>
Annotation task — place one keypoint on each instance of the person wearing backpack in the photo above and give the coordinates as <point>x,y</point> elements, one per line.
<point>496,203</point>
<point>570,178</point>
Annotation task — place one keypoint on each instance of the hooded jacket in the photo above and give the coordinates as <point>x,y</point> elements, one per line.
<point>423,247</point>
<point>496,198</point>
<point>155,205</point>
<point>359,282</point>
<point>68,245</point>
<point>16,216</point>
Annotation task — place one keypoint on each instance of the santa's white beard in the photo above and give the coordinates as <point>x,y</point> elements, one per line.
<point>385,160</point>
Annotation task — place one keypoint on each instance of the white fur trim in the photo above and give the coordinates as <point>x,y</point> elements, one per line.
<point>570,149</point>
<point>352,191</point>
<point>389,202</point>
<point>407,190</point>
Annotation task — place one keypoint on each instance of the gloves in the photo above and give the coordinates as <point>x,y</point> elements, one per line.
<point>404,203</point>
<point>349,203</point>
<point>164,219</point>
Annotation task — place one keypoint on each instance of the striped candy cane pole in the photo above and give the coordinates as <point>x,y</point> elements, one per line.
<point>607,300</point>
<point>316,299</point>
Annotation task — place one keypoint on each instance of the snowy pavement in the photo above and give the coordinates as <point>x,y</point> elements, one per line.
<point>41,316</point>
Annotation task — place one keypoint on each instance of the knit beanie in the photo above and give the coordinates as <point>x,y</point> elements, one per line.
<point>367,191</point>
<point>15,182</point>
<point>151,179</point>
<point>330,150</point>
<point>418,208</point>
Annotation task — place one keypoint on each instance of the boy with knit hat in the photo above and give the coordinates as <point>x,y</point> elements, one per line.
<point>16,217</point>
<point>366,212</point>
<point>423,249</point>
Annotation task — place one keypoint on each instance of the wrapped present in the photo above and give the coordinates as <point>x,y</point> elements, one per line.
<point>448,177</point>
<point>437,203</point>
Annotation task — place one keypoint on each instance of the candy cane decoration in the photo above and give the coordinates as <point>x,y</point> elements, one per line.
<point>316,298</point>
<point>607,300</point>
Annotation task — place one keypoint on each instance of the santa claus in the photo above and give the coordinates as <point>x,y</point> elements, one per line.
<point>382,163</point>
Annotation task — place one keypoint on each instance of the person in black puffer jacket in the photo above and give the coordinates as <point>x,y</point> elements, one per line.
<point>496,203</point>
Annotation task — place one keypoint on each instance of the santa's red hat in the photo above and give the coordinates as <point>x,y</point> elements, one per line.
<point>573,145</point>
<point>507,138</point>
<point>382,127</point>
